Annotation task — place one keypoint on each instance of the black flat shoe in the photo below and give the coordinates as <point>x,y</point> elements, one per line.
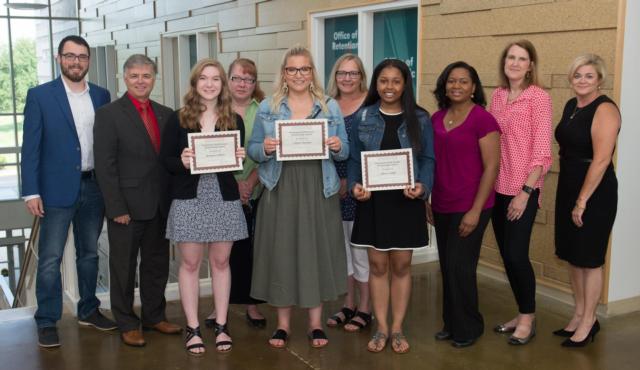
<point>463,343</point>
<point>591,337</point>
<point>503,329</point>
<point>513,340</point>
<point>443,335</point>
<point>256,323</point>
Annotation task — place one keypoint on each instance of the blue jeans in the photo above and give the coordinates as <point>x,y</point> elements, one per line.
<point>87,215</point>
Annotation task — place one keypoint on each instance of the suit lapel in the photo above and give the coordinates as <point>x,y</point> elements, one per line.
<point>95,98</point>
<point>61,96</point>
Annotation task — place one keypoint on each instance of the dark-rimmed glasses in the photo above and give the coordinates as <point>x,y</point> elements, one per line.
<point>71,57</point>
<point>341,75</point>
<point>239,80</point>
<point>291,71</point>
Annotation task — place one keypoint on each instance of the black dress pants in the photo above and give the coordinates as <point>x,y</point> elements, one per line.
<point>513,241</point>
<point>458,263</point>
<point>125,241</point>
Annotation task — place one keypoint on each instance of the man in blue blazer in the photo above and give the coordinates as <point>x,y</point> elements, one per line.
<point>59,185</point>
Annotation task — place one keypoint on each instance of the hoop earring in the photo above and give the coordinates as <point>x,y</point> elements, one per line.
<point>285,89</point>
<point>311,87</point>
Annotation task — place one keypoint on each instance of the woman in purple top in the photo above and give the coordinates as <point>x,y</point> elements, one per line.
<point>467,150</point>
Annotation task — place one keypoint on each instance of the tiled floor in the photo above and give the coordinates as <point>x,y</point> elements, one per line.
<point>616,347</point>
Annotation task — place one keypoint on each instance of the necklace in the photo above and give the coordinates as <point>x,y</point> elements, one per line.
<point>576,110</point>
<point>453,120</point>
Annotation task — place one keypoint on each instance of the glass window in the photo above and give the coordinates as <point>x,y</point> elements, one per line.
<point>64,8</point>
<point>20,124</point>
<point>6,92</point>
<point>25,59</point>
<point>9,182</point>
<point>7,132</point>
<point>36,8</point>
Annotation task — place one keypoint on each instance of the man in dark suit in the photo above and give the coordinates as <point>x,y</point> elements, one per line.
<point>134,185</point>
<point>58,185</point>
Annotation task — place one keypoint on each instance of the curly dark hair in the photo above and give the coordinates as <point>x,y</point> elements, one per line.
<point>440,91</point>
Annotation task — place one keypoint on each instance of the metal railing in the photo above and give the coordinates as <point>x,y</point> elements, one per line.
<point>27,270</point>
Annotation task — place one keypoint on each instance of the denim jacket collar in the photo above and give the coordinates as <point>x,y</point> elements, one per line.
<point>284,107</point>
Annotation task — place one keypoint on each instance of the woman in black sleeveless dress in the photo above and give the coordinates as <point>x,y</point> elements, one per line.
<point>587,193</point>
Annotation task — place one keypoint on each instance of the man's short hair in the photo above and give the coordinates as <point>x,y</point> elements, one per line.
<point>76,40</point>
<point>139,59</point>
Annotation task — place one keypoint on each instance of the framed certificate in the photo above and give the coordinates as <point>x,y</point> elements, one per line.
<point>387,169</point>
<point>301,139</point>
<point>214,151</point>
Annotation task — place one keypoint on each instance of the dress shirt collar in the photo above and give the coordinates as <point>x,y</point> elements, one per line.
<point>69,91</point>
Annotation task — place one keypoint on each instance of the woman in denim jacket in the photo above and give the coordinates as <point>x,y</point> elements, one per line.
<point>391,223</point>
<point>298,249</point>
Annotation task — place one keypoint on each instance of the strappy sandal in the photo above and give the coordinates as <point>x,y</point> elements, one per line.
<point>379,340</point>
<point>346,312</point>
<point>366,320</point>
<point>282,335</point>
<point>218,330</point>
<point>396,342</point>
<point>315,335</point>
<point>190,334</point>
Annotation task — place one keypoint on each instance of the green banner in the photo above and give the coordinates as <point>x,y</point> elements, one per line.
<point>395,35</point>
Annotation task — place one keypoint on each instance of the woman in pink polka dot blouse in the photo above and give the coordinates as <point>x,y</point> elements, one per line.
<point>523,111</point>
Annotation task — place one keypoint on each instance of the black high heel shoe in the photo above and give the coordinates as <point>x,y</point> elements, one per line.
<point>590,337</point>
<point>564,333</point>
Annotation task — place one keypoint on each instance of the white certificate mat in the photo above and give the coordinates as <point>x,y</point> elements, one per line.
<point>214,151</point>
<point>387,169</point>
<point>301,139</point>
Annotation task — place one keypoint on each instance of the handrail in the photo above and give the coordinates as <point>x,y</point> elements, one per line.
<point>29,253</point>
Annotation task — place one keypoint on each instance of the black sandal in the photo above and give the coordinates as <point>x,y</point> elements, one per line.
<point>190,334</point>
<point>348,315</point>
<point>366,318</point>
<point>219,329</point>
<point>280,335</point>
<point>318,334</point>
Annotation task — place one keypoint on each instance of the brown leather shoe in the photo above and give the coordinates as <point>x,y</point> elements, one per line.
<point>166,327</point>
<point>133,338</point>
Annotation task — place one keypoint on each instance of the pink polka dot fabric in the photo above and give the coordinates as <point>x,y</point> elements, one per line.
<point>526,137</point>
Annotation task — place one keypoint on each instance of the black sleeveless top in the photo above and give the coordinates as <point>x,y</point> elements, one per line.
<point>573,133</point>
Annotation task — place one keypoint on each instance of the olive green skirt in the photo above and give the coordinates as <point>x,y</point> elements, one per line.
<point>299,256</point>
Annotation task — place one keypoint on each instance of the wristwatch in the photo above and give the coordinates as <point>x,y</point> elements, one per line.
<point>527,189</point>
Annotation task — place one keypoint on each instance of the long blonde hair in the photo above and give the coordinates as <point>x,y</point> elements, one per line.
<point>280,86</point>
<point>193,108</point>
<point>332,89</point>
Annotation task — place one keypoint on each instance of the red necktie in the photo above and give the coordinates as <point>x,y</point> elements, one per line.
<point>149,125</point>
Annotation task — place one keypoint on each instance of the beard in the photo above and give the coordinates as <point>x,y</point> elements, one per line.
<point>73,75</point>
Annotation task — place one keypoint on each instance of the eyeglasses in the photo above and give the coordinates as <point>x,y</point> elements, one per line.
<point>70,57</point>
<point>291,71</point>
<point>341,75</point>
<point>239,80</point>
